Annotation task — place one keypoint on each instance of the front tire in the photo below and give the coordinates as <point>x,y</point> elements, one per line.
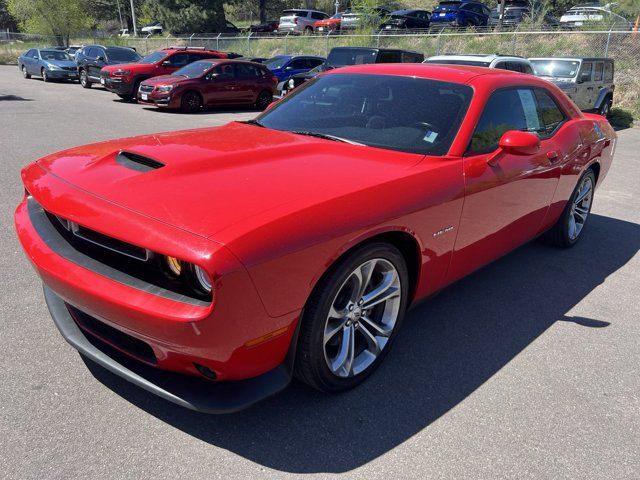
<point>569,227</point>
<point>84,79</point>
<point>352,318</point>
<point>43,74</point>
<point>24,72</point>
<point>605,108</point>
<point>263,100</point>
<point>191,102</point>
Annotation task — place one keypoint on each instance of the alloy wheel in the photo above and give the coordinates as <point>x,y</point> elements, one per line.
<point>581,207</point>
<point>362,317</point>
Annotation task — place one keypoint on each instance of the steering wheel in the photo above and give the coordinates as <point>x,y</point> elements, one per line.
<point>426,126</point>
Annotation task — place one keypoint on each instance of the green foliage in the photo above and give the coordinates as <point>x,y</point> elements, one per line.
<point>620,118</point>
<point>187,16</point>
<point>630,7</point>
<point>60,18</point>
<point>7,22</point>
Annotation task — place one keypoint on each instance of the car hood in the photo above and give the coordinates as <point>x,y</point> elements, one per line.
<point>115,65</point>
<point>61,63</point>
<point>165,80</point>
<point>238,175</point>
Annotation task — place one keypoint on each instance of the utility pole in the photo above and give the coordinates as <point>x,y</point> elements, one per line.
<point>120,16</point>
<point>501,13</point>
<point>133,19</point>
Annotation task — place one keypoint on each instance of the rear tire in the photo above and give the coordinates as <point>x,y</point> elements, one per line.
<point>263,100</point>
<point>344,334</point>
<point>605,108</point>
<point>84,79</point>
<point>308,31</point>
<point>569,227</point>
<point>24,72</point>
<point>191,102</point>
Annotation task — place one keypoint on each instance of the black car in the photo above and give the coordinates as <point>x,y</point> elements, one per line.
<point>517,11</point>
<point>266,27</point>
<point>407,20</point>
<point>92,58</point>
<point>343,56</point>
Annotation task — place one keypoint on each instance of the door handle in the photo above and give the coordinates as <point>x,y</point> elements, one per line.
<point>553,156</point>
<point>589,88</point>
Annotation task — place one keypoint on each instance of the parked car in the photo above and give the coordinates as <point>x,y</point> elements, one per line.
<point>407,20</point>
<point>258,59</point>
<point>124,80</point>
<point>209,266</point>
<point>343,56</point>
<point>299,20</point>
<point>355,20</point>
<point>154,28</point>
<point>460,14</point>
<point>124,33</point>
<point>517,11</point>
<point>267,27</point>
<point>504,62</point>
<point>587,81</point>
<point>47,63</point>
<point>284,66</point>
<point>581,15</point>
<point>329,25</point>
<point>207,83</point>
<point>90,59</point>
<point>72,50</point>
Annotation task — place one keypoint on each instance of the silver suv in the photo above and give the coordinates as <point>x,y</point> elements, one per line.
<point>299,20</point>
<point>588,81</point>
<point>503,62</point>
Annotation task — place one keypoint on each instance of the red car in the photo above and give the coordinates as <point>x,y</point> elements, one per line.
<point>329,25</point>
<point>124,79</point>
<point>210,83</point>
<point>209,266</point>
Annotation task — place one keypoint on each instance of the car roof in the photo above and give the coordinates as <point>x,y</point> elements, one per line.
<point>477,57</point>
<point>576,59</point>
<point>229,60</point>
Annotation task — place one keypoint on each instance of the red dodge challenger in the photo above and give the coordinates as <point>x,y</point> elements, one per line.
<point>210,266</point>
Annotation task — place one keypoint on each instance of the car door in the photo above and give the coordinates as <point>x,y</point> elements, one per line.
<point>219,86</point>
<point>507,197</point>
<point>98,62</point>
<point>31,61</point>
<point>247,77</point>
<point>584,86</point>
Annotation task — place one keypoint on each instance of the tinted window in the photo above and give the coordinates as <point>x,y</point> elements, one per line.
<point>30,53</point>
<point>608,71</point>
<point>504,111</point>
<point>501,65</point>
<point>179,59</point>
<point>314,62</point>
<point>317,15</point>
<point>597,74</point>
<point>298,63</point>
<point>585,72</point>
<point>549,113</point>
<point>347,56</point>
<point>154,57</point>
<point>122,55</point>
<point>54,55</point>
<point>193,70</point>
<point>526,68</point>
<point>225,72</point>
<point>394,112</point>
<point>276,62</point>
<point>246,71</point>
<point>389,57</point>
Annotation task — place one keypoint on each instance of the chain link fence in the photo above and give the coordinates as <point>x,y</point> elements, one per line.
<point>622,46</point>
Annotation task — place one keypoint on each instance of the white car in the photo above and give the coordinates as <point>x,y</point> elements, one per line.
<point>154,28</point>
<point>124,33</point>
<point>580,15</point>
<point>504,62</point>
<point>299,20</point>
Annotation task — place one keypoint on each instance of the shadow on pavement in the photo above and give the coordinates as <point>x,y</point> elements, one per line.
<point>204,111</point>
<point>448,347</point>
<point>13,98</point>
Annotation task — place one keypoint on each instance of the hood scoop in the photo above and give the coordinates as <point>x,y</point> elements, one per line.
<point>137,162</point>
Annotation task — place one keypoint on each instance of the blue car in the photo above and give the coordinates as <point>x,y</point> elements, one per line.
<point>48,63</point>
<point>460,14</point>
<point>284,66</point>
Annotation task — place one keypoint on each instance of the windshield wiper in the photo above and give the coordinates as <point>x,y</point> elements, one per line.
<point>253,122</point>
<point>328,137</point>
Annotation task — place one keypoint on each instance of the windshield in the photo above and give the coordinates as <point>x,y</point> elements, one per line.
<point>296,13</point>
<point>346,56</point>
<point>154,57</point>
<point>54,55</point>
<point>408,114</point>
<point>276,62</point>
<point>122,55</point>
<point>195,69</point>
<point>556,68</point>
<point>473,63</point>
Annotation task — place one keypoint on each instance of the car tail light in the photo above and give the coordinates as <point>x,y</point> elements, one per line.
<point>274,79</point>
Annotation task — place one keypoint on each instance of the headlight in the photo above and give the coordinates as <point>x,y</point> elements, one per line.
<point>120,73</point>
<point>291,83</point>
<point>51,66</point>
<point>203,278</point>
<point>165,88</point>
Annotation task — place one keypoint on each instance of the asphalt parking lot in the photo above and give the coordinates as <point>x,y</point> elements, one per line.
<point>528,368</point>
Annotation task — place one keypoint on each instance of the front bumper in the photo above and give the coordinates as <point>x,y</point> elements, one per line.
<point>166,100</point>
<point>63,74</point>
<point>117,85</point>
<point>190,392</point>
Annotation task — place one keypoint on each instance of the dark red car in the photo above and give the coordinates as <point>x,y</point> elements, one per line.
<point>124,79</point>
<point>208,83</point>
<point>209,266</point>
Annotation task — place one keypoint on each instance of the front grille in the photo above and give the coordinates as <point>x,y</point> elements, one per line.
<point>70,69</point>
<point>118,339</point>
<point>146,88</point>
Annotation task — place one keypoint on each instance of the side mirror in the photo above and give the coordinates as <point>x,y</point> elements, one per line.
<point>100,58</point>
<point>289,67</point>
<point>166,63</point>
<point>515,142</point>
<point>212,76</point>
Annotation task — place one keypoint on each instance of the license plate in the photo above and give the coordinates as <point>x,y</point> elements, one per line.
<point>102,81</point>
<point>388,27</point>
<point>320,29</point>
<point>442,14</point>
<point>144,96</point>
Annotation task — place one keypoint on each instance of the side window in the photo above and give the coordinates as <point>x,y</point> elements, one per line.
<point>179,59</point>
<point>526,68</point>
<point>389,57</point>
<point>246,71</point>
<point>298,63</point>
<point>317,15</point>
<point>314,62</point>
<point>585,72</point>
<point>194,57</point>
<point>31,53</point>
<point>501,65</point>
<point>608,71</point>
<point>550,115</point>
<point>597,74</point>
<point>101,53</point>
<point>512,109</point>
<point>92,52</point>
<point>225,72</point>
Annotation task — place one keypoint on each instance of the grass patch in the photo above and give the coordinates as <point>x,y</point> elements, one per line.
<point>620,118</point>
